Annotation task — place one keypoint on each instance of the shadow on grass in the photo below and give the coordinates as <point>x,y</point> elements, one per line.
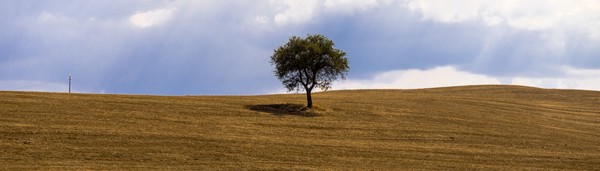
<point>284,109</point>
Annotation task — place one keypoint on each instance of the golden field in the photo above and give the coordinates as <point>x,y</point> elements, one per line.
<point>453,128</point>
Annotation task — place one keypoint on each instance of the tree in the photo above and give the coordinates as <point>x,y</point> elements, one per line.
<point>309,63</point>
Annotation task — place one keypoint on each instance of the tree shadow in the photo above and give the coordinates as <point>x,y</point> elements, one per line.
<point>283,109</point>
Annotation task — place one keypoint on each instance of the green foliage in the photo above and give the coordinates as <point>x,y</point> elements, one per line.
<point>308,63</point>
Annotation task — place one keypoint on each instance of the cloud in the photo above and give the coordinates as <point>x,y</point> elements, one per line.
<point>261,19</point>
<point>446,11</point>
<point>349,6</point>
<point>445,76</point>
<point>222,47</point>
<point>573,78</point>
<point>290,12</point>
<point>410,79</point>
<point>526,15</point>
<point>152,17</point>
<point>294,12</point>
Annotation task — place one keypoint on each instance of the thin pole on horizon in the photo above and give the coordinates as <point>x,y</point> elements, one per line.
<point>69,83</point>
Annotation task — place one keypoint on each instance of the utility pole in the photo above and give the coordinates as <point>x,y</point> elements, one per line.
<point>69,83</point>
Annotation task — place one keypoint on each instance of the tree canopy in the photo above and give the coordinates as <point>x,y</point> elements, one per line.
<point>307,63</point>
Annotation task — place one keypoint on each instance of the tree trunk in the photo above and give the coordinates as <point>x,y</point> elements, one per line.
<point>309,98</point>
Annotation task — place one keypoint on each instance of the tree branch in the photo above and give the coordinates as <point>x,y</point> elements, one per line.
<point>301,79</point>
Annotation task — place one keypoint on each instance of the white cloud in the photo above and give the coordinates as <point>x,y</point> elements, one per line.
<point>152,17</point>
<point>402,79</point>
<point>261,19</point>
<point>295,12</point>
<point>349,6</point>
<point>573,78</point>
<point>594,29</point>
<point>300,12</point>
<point>533,22</point>
<point>527,15</point>
<point>490,19</point>
<point>447,10</point>
<point>586,79</point>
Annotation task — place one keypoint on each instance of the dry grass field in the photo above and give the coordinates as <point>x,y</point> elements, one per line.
<point>455,128</point>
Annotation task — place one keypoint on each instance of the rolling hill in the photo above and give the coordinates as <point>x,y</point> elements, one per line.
<point>468,127</point>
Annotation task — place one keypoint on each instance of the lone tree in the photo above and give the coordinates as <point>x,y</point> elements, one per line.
<point>308,63</point>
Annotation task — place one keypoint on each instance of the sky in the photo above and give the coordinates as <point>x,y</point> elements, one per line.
<point>223,47</point>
